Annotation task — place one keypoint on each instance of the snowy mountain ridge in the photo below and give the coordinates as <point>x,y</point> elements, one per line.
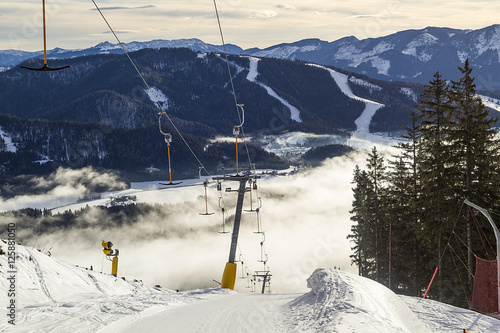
<point>55,296</point>
<point>409,55</point>
<point>10,58</point>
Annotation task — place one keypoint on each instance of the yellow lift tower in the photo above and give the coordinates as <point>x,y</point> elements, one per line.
<point>229,275</point>
<point>110,253</point>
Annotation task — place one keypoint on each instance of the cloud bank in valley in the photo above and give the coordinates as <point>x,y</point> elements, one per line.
<point>305,217</point>
<point>56,189</point>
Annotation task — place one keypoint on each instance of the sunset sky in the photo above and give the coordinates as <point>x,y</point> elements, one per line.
<point>257,23</point>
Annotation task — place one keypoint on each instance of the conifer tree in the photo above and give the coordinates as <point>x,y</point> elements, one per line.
<point>376,175</point>
<point>361,235</point>
<point>475,146</point>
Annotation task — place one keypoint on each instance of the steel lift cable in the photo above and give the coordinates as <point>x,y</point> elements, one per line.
<point>150,90</point>
<point>238,106</point>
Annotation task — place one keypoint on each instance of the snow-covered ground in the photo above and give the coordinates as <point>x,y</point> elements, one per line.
<point>362,136</point>
<point>490,102</point>
<point>252,77</point>
<point>10,147</point>
<point>157,96</point>
<point>54,296</point>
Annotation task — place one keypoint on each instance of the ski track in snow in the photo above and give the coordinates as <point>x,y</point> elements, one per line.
<point>363,122</point>
<point>252,77</point>
<point>232,313</point>
<point>362,133</point>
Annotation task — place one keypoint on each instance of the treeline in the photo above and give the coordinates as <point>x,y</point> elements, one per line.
<point>43,146</point>
<point>408,210</point>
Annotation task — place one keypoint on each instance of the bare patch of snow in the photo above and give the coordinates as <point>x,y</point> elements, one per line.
<point>462,55</point>
<point>410,93</point>
<point>285,51</point>
<point>381,65</point>
<point>9,145</point>
<point>360,82</point>
<point>425,39</point>
<point>156,95</point>
<point>350,52</point>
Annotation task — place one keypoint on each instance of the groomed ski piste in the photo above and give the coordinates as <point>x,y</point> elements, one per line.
<point>54,296</point>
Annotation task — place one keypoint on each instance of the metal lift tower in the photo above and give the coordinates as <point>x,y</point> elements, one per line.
<point>229,276</point>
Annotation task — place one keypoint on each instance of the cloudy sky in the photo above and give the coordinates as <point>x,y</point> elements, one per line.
<point>256,23</point>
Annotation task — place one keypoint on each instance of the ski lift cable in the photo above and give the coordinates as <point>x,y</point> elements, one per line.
<point>151,92</point>
<point>463,263</point>
<point>238,106</point>
<point>467,247</point>
<point>444,250</point>
<point>460,278</point>
<point>243,257</point>
<point>457,238</point>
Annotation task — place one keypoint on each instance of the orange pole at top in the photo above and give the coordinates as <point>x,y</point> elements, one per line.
<point>236,155</point>
<point>169,167</point>
<point>44,35</point>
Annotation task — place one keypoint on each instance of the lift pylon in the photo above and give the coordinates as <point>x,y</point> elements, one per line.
<point>229,275</point>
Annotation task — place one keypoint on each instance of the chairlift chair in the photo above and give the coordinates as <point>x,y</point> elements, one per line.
<point>205,184</point>
<point>223,218</point>
<point>168,140</point>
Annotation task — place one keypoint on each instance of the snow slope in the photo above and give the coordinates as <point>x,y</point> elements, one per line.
<point>362,136</point>
<point>363,122</point>
<point>53,296</point>
<point>252,77</point>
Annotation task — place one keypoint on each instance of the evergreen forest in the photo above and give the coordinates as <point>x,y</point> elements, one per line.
<point>408,211</point>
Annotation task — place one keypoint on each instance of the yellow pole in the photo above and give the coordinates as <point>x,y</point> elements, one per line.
<point>44,35</point>
<point>206,201</point>
<point>229,276</point>
<point>114,266</point>
<point>169,167</point>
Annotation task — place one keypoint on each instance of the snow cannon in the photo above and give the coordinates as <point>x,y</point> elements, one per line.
<point>107,248</point>
<point>109,252</point>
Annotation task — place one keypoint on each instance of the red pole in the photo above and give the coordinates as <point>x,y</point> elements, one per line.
<point>429,286</point>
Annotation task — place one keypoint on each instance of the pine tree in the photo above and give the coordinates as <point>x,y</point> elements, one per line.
<point>434,154</point>
<point>360,235</point>
<point>476,150</point>
<point>376,175</point>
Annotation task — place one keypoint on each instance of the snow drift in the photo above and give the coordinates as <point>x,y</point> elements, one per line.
<point>344,302</point>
